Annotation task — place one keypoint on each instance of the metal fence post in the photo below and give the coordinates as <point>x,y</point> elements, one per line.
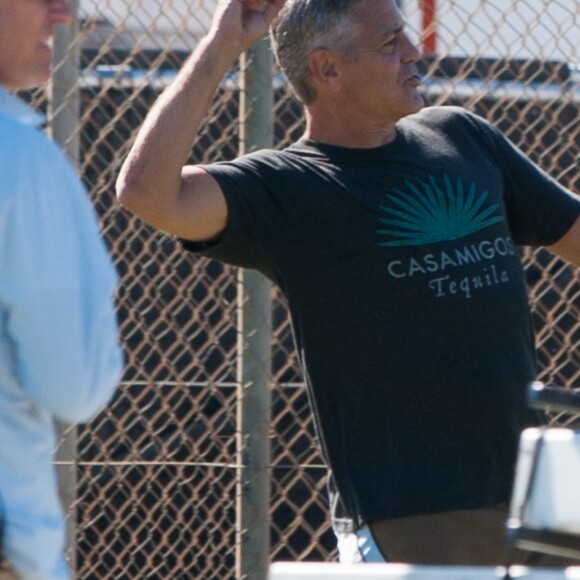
<point>64,98</point>
<point>64,118</point>
<point>254,347</point>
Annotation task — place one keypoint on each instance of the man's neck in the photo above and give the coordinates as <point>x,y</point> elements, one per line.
<point>342,131</point>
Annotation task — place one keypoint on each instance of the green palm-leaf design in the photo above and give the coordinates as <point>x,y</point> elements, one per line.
<point>436,212</point>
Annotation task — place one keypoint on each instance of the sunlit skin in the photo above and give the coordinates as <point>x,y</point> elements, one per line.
<point>360,99</point>
<point>26,30</point>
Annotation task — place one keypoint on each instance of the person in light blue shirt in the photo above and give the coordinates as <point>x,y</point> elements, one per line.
<point>59,352</point>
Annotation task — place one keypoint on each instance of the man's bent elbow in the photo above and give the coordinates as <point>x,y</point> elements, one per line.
<point>143,201</point>
<point>127,194</point>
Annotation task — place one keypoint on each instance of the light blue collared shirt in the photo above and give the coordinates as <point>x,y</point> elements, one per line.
<point>59,355</point>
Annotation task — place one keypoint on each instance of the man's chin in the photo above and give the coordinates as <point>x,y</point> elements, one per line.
<point>33,81</point>
<point>415,107</point>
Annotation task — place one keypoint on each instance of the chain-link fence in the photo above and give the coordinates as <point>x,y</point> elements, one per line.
<point>154,481</point>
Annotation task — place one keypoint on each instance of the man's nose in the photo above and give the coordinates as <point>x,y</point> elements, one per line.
<point>412,52</point>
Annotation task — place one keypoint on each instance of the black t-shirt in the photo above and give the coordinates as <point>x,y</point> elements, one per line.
<point>407,298</point>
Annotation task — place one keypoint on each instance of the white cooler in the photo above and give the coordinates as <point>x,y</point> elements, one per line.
<point>335,571</point>
<point>545,507</point>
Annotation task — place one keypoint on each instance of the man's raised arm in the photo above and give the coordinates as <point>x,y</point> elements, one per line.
<point>154,182</point>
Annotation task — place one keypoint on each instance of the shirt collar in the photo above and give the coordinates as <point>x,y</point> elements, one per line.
<point>14,107</point>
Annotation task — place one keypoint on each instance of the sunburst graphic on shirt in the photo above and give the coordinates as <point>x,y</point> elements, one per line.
<point>432,211</point>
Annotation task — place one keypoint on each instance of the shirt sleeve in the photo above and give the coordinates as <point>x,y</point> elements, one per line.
<point>540,210</point>
<point>255,212</point>
<point>56,286</point>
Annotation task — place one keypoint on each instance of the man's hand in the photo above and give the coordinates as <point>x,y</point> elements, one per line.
<point>6,572</point>
<point>241,23</point>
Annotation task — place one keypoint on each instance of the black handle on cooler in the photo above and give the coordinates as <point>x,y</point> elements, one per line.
<point>556,399</point>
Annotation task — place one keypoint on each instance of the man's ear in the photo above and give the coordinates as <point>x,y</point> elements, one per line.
<point>325,68</point>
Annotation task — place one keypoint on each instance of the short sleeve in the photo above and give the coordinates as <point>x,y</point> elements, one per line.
<point>540,210</point>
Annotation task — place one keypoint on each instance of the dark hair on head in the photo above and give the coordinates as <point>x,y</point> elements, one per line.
<point>306,25</point>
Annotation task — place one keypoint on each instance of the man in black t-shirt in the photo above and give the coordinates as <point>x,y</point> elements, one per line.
<point>392,231</point>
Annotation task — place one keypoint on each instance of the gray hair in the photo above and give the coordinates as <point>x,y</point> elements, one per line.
<point>306,25</point>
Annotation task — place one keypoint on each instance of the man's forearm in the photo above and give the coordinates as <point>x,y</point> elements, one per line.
<point>153,183</point>
<point>153,167</point>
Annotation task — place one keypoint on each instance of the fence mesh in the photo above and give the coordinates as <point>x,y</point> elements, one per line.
<point>156,469</point>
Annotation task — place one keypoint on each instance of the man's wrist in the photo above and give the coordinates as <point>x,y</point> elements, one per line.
<point>223,50</point>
